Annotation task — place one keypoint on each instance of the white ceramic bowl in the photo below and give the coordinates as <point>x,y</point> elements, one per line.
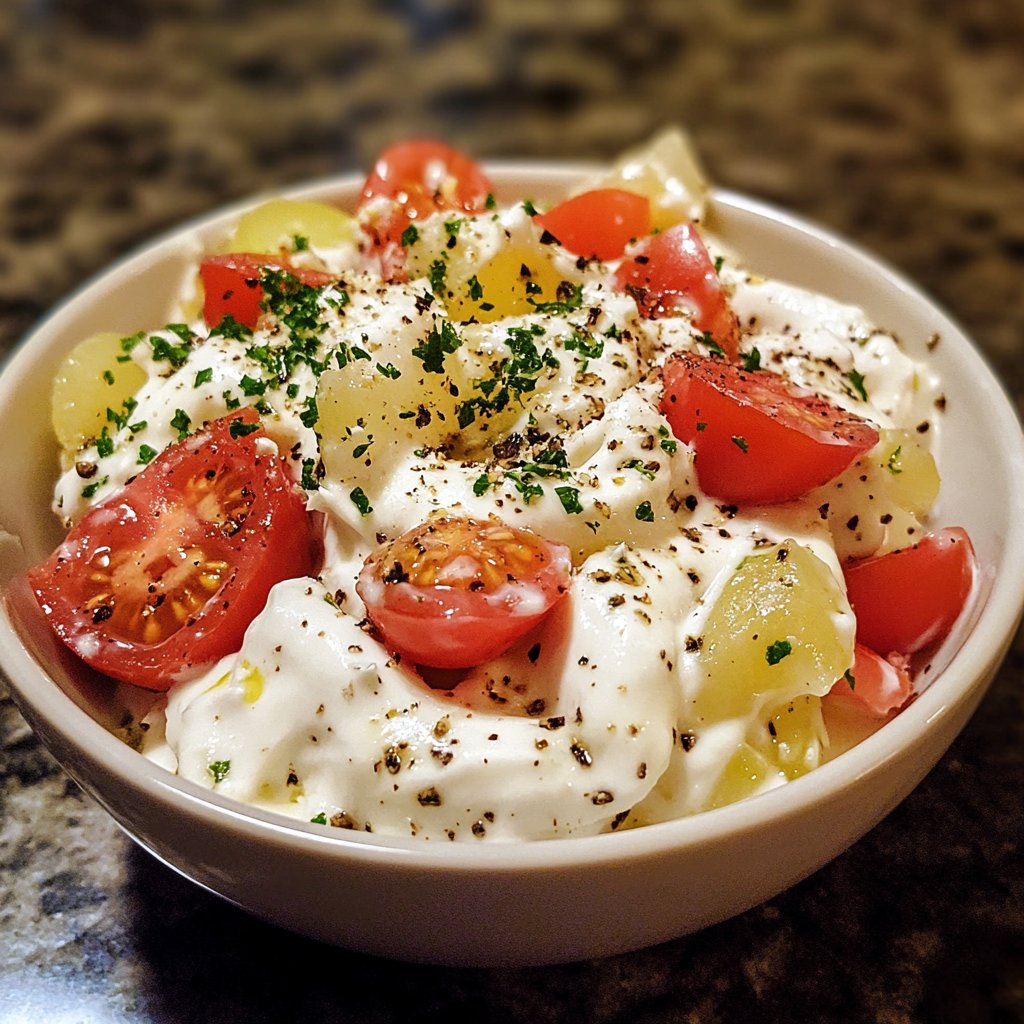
<point>554,900</point>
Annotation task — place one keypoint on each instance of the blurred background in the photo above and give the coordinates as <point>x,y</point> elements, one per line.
<point>899,125</point>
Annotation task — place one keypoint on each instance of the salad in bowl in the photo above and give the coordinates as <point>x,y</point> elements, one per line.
<point>471,520</point>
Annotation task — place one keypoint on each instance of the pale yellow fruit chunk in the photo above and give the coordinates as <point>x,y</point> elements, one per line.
<point>279,223</point>
<point>781,628</point>
<point>665,170</point>
<point>90,380</point>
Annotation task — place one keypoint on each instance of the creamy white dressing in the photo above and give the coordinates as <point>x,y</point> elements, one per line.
<point>585,725</point>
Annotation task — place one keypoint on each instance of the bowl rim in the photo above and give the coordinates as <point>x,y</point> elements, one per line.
<point>964,678</point>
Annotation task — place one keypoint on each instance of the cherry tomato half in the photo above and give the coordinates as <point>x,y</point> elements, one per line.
<point>598,223</point>
<point>756,438</point>
<point>878,685</point>
<point>231,285</point>
<point>455,592</point>
<point>908,599</point>
<point>671,273</point>
<point>164,577</point>
<point>419,177</point>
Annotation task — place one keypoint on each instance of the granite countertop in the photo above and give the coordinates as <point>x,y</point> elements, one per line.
<point>899,125</point>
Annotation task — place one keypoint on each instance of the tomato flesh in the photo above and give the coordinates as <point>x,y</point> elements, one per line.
<point>879,685</point>
<point>164,577</point>
<point>756,438</point>
<point>455,592</point>
<point>599,223</point>
<point>671,273</point>
<point>419,177</point>
<point>231,285</point>
<point>908,599</point>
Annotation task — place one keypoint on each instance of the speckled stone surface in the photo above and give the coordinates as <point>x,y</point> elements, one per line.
<point>898,124</point>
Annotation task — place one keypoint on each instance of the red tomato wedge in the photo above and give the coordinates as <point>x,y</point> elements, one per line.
<point>231,285</point>
<point>908,599</point>
<point>455,592</point>
<point>671,273</point>
<point>164,577</point>
<point>756,438</point>
<point>419,177</point>
<point>878,685</point>
<point>599,223</point>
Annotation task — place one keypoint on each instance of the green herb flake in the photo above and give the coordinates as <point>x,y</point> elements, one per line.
<point>436,275</point>
<point>104,444</point>
<point>309,481</point>
<point>740,442</point>
<point>310,413</point>
<point>644,513</point>
<point>857,383</point>
<point>570,499</point>
<point>569,298</point>
<point>361,449</point>
<point>895,463</point>
<point>481,485</point>
<point>239,428</point>
<point>300,243</point>
<point>360,501</point>
<point>108,376</point>
<point>181,421</point>
<point>850,678</point>
<point>203,377</point>
<point>490,203</point>
<point>752,360</point>
<point>146,455</point>
<point>410,236</point>
<point>320,819</point>
<point>166,351</point>
<point>531,210</point>
<point>778,650</point>
<point>712,346</point>
<point>719,260</point>
<point>390,371</point>
<point>219,770</point>
<point>476,290</point>
<point>701,426</point>
<point>437,345</point>
<point>451,228</point>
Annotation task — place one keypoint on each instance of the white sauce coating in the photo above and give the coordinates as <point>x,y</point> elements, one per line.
<point>583,725</point>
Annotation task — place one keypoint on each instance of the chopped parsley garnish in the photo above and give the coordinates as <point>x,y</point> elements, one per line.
<point>230,401</point>
<point>585,343</point>
<point>219,770</point>
<point>104,444</point>
<point>512,377</point>
<point>531,210</point>
<point>523,483</point>
<point>203,377</point>
<point>850,678</point>
<point>490,203</point>
<point>239,428</point>
<point>108,376</point>
<point>438,344</point>
<point>360,501</point>
<point>701,426</point>
<point>164,350</point>
<point>857,383</point>
<point>361,449</point>
<point>300,243</point>
<point>642,468</point>
<point>310,413</point>
<point>752,359</point>
<point>644,513</point>
<point>740,442</point>
<point>252,386</point>
<point>476,290</point>
<point>309,481</point>
<point>778,650</point>
<point>436,275</point>
<point>410,236</point>
<point>181,421</point>
<point>712,346</point>
<point>230,328</point>
<point>320,819</point>
<point>128,343</point>
<point>451,228</point>
<point>895,463</point>
<point>569,298</point>
<point>183,331</point>
<point>481,485</point>
<point>89,491</point>
<point>570,499</point>
<point>390,371</point>
<point>668,442</point>
<point>345,353</point>
<point>292,391</point>
<point>719,260</point>
<point>146,455</point>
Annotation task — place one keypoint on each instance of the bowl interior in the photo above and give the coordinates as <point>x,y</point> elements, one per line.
<point>979,493</point>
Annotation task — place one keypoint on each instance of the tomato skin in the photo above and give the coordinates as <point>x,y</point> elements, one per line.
<point>881,685</point>
<point>908,599</point>
<point>599,223</point>
<point>231,285</point>
<point>419,177</point>
<point>211,509</point>
<point>756,438</point>
<point>453,626</point>
<point>671,273</point>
